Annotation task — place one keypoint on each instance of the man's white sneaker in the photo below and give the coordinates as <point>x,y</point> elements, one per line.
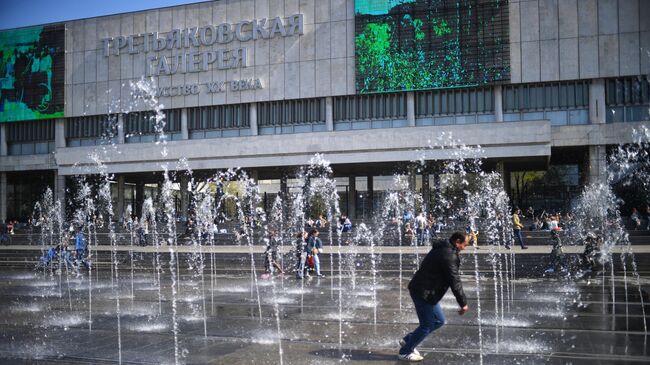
<point>410,357</point>
<point>402,343</point>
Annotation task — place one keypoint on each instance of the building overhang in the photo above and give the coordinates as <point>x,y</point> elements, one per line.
<point>497,140</point>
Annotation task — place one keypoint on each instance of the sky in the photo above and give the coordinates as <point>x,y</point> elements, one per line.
<point>16,13</point>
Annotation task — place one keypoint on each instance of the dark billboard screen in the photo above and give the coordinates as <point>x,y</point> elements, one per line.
<point>430,44</point>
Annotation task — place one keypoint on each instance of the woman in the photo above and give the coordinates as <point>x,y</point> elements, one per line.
<point>313,248</point>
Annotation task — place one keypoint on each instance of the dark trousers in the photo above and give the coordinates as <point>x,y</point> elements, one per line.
<point>430,317</point>
<point>519,237</point>
<point>81,257</point>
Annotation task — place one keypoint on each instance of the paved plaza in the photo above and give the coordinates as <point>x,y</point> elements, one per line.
<point>342,318</point>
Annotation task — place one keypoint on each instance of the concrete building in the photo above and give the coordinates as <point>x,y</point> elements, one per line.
<point>277,91</point>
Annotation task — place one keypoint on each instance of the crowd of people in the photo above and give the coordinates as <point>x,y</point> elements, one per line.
<point>418,229</point>
<point>60,257</point>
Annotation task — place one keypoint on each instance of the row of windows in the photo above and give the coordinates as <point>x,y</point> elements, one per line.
<point>547,96</point>
<point>627,91</point>
<point>375,106</point>
<point>91,126</point>
<point>287,112</point>
<point>454,101</point>
<point>41,130</point>
<point>145,122</point>
<point>218,117</point>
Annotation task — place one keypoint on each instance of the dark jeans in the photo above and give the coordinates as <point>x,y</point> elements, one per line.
<point>431,318</point>
<point>519,237</point>
<point>81,258</point>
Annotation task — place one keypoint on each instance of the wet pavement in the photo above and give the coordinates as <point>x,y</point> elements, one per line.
<point>344,318</point>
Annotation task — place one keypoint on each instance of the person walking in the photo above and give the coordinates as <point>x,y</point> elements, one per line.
<point>438,272</point>
<point>420,227</point>
<point>80,246</point>
<point>314,247</point>
<point>516,227</point>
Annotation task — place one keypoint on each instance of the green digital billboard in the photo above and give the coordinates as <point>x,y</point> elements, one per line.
<point>32,62</point>
<point>430,44</point>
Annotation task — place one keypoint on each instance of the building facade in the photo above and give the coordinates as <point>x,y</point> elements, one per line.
<point>266,84</point>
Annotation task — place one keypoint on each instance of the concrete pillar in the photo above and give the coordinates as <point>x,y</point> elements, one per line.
<point>185,134</point>
<point>3,196</point>
<point>284,187</point>
<point>59,133</point>
<point>597,101</point>
<point>412,178</point>
<point>329,114</point>
<point>498,103</point>
<point>352,197</point>
<point>254,174</point>
<point>184,183</point>
<point>371,194</point>
<point>597,167</point>
<point>505,176</point>
<point>139,198</point>
<point>120,198</point>
<point>252,118</point>
<point>410,108</point>
<point>59,188</point>
<point>3,140</point>
<point>426,192</point>
<point>120,129</point>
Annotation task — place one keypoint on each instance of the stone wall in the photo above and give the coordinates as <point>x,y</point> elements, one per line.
<point>578,39</point>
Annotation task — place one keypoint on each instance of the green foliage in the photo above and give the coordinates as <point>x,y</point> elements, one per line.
<point>411,45</point>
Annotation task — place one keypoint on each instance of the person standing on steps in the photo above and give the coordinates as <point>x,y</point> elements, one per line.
<point>438,272</point>
<point>516,227</point>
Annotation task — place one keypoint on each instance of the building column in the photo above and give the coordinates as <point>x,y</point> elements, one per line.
<point>139,198</point>
<point>284,194</point>
<point>498,103</point>
<point>597,101</point>
<point>185,134</point>
<point>252,119</point>
<point>120,129</point>
<point>254,175</point>
<point>597,168</point>
<point>410,108</point>
<point>59,133</point>
<point>3,140</point>
<point>329,114</point>
<point>371,194</point>
<point>352,197</point>
<point>505,177</point>
<point>284,187</point>
<point>184,183</point>
<point>3,196</point>
<point>436,185</point>
<point>59,188</point>
<point>120,197</point>
<point>412,176</point>
<point>426,192</point>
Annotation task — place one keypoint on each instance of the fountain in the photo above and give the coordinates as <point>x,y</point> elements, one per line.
<point>361,308</point>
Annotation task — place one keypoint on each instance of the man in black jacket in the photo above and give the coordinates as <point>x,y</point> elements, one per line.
<point>438,272</point>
